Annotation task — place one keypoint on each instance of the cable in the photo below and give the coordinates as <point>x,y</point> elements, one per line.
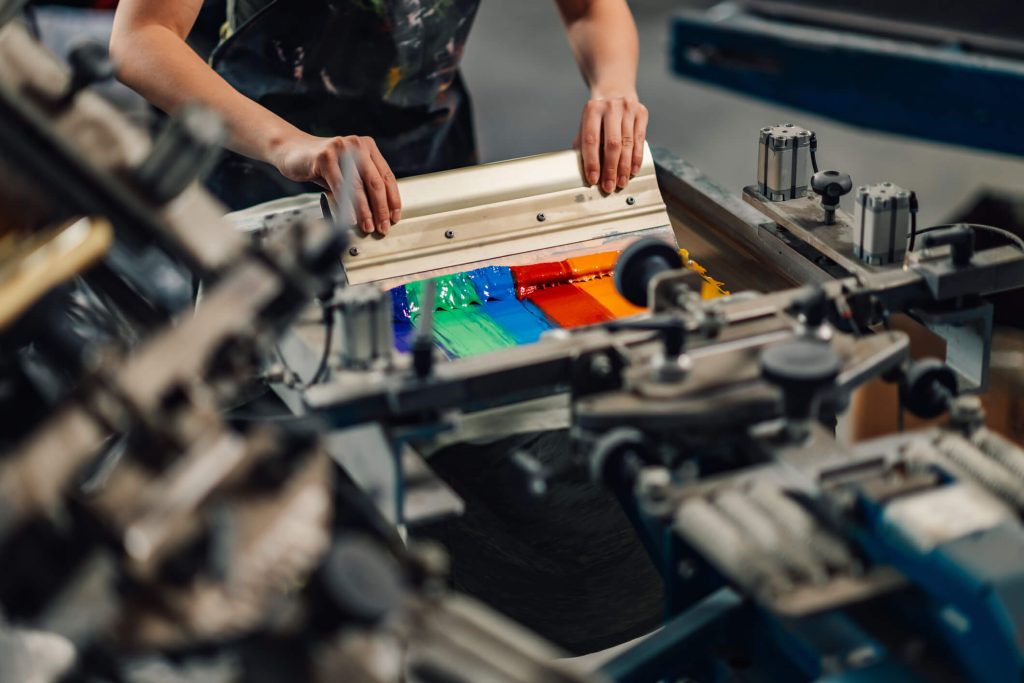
<point>814,152</point>
<point>326,355</point>
<point>913,220</point>
<point>1010,237</point>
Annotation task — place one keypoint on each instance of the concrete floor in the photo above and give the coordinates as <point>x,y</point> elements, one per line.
<point>528,96</point>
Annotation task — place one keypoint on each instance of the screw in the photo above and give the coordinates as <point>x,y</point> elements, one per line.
<point>687,570</point>
<point>449,234</point>
<point>631,200</point>
<point>967,413</point>
<point>353,251</point>
<point>541,217</point>
<point>654,482</point>
<point>653,487</point>
<point>601,366</point>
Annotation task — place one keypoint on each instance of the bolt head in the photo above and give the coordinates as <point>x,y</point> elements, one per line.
<point>601,365</point>
<point>541,217</point>
<point>449,234</point>
<point>353,251</point>
<point>654,482</point>
<point>631,200</point>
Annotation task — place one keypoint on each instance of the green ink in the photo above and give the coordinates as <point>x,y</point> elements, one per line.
<point>454,292</point>
<point>469,332</point>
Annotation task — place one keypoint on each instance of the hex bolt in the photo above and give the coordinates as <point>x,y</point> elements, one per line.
<point>601,366</point>
<point>630,201</point>
<point>687,569</point>
<point>353,251</point>
<point>449,234</point>
<point>967,413</point>
<point>655,482</point>
<point>541,217</point>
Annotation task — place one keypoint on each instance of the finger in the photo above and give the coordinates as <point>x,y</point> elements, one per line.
<point>394,198</point>
<point>611,131</point>
<point>639,136</point>
<point>330,177</point>
<point>375,193</point>
<point>623,171</point>
<point>360,203</point>
<point>590,142</point>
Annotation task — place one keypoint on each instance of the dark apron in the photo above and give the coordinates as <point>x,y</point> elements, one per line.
<point>387,69</point>
<point>569,565</point>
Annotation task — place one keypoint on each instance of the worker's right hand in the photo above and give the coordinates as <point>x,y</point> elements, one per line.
<point>376,204</point>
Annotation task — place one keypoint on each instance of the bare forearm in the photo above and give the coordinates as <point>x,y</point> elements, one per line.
<point>603,38</point>
<point>157,63</point>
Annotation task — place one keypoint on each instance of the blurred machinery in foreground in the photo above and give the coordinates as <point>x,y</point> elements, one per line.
<point>145,534</point>
<point>150,532</point>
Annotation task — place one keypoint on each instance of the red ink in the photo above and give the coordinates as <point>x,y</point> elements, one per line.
<point>569,306</point>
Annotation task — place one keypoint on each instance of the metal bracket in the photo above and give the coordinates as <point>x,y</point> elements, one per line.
<point>968,336</point>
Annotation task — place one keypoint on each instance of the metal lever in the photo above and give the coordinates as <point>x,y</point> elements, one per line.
<point>423,344</point>
<point>960,239</point>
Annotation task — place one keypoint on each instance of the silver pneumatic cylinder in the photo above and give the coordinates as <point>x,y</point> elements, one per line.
<point>784,161</point>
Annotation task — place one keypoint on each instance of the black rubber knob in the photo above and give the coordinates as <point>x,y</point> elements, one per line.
<point>927,387</point>
<point>90,63</point>
<point>802,368</point>
<point>640,263</point>
<point>831,185</point>
<point>617,457</point>
<point>363,583</point>
<point>812,305</point>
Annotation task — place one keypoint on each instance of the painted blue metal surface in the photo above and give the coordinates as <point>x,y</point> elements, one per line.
<point>973,590</point>
<point>932,92</point>
<point>686,645</point>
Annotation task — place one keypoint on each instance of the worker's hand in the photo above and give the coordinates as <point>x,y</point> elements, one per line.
<point>611,140</point>
<point>375,199</point>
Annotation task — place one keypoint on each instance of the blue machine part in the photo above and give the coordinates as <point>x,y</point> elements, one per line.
<point>927,91</point>
<point>974,586</point>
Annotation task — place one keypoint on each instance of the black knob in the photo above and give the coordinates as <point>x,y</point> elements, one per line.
<point>90,63</point>
<point>812,305</point>
<point>617,458</point>
<point>640,263</point>
<point>183,151</point>
<point>960,239</point>
<point>927,387</point>
<point>362,583</point>
<point>831,185</point>
<point>803,369</point>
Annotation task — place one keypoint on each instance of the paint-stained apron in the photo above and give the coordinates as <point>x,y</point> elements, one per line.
<point>387,69</point>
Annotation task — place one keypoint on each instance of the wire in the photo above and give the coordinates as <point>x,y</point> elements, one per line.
<point>1010,237</point>
<point>326,355</point>
<point>814,152</point>
<point>913,220</point>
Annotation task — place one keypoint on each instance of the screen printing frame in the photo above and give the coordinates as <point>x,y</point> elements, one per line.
<point>735,242</point>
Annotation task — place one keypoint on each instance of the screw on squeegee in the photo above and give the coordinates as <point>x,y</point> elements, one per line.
<point>449,234</point>
<point>541,217</point>
<point>630,201</point>
<point>353,251</point>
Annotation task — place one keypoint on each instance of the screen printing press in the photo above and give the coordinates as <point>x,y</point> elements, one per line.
<point>151,530</point>
<point>760,520</point>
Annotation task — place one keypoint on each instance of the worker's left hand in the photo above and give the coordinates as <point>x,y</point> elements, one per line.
<point>611,140</point>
